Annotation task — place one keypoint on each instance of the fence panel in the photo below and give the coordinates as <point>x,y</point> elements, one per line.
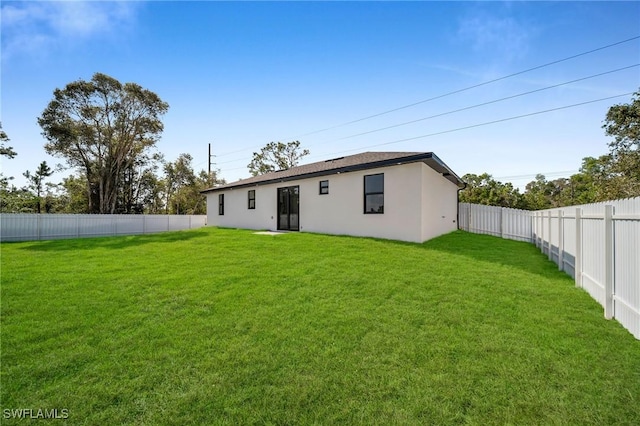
<point>28,227</point>
<point>569,241</point>
<point>502,222</point>
<point>593,257</point>
<point>601,252</point>
<point>626,298</point>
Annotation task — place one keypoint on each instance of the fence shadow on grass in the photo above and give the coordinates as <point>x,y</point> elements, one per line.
<point>110,242</point>
<point>486,248</point>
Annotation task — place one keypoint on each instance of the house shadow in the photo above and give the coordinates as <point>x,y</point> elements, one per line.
<point>487,248</point>
<point>111,242</point>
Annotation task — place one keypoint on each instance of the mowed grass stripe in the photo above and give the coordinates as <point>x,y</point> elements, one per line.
<point>220,326</point>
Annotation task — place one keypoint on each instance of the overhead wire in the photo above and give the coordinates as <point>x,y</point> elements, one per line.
<point>445,94</point>
<point>490,122</point>
<point>473,86</point>
<point>472,126</point>
<point>470,107</point>
<point>488,102</point>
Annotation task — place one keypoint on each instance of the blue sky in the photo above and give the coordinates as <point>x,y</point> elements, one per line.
<point>242,74</point>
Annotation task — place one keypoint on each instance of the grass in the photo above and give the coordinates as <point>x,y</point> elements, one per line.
<point>219,326</point>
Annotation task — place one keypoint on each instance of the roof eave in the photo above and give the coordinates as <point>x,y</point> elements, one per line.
<point>429,158</point>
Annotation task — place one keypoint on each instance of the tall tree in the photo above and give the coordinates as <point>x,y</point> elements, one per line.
<point>36,181</point>
<point>100,127</point>
<point>623,123</point>
<point>138,182</point>
<point>75,195</point>
<point>276,156</point>
<point>178,175</point>
<point>537,195</point>
<point>484,189</point>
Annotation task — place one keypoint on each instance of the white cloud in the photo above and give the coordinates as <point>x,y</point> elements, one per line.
<point>503,36</point>
<point>35,28</point>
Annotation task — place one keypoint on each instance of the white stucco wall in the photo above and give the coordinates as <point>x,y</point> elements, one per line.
<point>439,204</point>
<point>342,210</point>
<point>415,199</point>
<point>236,211</point>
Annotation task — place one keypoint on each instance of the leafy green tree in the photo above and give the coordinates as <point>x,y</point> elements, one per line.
<point>74,194</point>
<point>150,192</point>
<point>183,187</point>
<point>276,156</point>
<point>5,150</point>
<point>15,200</point>
<point>36,182</point>
<point>178,175</point>
<point>537,195</point>
<point>483,189</point>
<point>623,123</point>
<point>139,184</point>
<point>5,188</point>
<point>100,127</point>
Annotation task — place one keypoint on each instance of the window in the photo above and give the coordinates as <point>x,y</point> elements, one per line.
<point>221,204</point>
<point>374,194</point>
<point>324,187</point>
<point>252,199</point>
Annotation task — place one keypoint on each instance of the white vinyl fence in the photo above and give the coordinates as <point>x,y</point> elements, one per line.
<point>512,224</point>
<point>597,244</point>
<point>27,227</point>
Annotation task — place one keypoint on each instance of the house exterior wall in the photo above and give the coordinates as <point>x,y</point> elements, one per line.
<point>236,211</point>
<point>342,210</point>
<point>414,195</point>
<point>439,204</point>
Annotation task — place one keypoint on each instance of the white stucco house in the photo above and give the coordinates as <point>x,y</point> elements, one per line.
<point>408,196</point>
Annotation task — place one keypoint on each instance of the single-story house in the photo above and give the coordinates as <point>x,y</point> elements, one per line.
<point>408,196</point>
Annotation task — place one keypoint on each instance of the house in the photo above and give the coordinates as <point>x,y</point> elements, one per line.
<point>408,196</point>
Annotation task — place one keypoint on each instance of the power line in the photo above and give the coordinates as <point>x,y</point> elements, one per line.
<point>486,103</point>
<point>488,123</point>
<point>545,174</point>
<point>473,125</point>
<point>470,107</point>
<point>473,87</point>
<point>445,94</point>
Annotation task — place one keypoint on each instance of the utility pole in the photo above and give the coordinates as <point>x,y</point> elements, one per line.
<point>210,162</point>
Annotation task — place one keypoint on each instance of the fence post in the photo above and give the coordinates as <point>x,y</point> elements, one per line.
<point>578,259</point>
<point>549,243</point>
<point>560,240</point>
<point>608,264</point>
<point>538,229</point>
<point>533,228</point>
<point>501,222</point>
<point>541,220</point>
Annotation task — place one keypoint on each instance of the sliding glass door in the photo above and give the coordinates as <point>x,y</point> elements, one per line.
<point>289,208</point>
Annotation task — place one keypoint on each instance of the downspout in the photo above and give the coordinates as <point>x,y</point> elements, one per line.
<point>458,206</point>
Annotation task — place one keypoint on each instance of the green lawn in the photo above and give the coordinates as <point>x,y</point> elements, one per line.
<point>220,326</point>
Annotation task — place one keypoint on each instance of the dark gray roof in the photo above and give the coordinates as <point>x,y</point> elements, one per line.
<point>366,160</point>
